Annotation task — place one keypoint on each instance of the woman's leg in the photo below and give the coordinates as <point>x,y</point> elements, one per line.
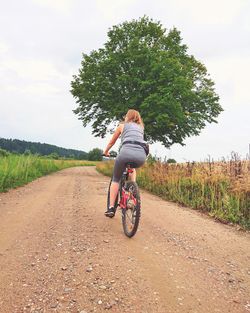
<point>132,176</point>
<point>113,193</point>
<point>117,174</point>
<point>114,188</point>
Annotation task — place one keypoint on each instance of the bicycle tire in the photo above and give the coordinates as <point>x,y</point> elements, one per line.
<point>108,198</point>
<point>135,211</point>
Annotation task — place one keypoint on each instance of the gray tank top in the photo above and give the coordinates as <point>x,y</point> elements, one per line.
<point>132,131</point>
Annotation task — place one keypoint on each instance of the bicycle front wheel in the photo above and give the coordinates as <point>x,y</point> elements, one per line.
<point>131,214</point>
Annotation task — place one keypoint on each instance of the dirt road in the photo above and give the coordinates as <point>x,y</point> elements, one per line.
<point>59,253</point>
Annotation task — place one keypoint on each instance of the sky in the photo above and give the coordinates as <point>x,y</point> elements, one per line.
<point>41,46</point>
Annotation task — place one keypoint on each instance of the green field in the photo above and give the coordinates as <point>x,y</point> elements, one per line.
<point>17,170</point>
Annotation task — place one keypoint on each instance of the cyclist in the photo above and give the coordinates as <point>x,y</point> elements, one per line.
<point>132,150</point>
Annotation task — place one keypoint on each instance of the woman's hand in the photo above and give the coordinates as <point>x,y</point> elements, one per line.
<point>106,153</point>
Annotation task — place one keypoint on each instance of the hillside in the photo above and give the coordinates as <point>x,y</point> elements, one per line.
<point>20,146</point>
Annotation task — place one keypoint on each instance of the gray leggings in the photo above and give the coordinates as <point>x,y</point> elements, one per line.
<point>129,153</point>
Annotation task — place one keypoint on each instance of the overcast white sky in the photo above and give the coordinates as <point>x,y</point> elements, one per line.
<point>41,42</point>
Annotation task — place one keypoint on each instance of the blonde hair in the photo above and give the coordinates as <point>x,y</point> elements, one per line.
<point>133,116</point>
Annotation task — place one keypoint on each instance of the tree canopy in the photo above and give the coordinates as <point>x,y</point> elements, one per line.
<point>144,67</point>
<point>95,154</point>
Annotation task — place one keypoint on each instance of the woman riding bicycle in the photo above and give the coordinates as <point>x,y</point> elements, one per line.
<point>132,151</point>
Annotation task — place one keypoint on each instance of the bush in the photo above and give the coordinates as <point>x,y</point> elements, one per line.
<point>95,155</point>
<point>4,153</point>
<point>53,155</point>
<point>171,161</point>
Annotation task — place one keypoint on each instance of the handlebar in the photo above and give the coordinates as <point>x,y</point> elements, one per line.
<point>109,156</point>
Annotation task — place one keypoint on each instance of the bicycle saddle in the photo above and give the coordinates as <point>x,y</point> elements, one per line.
<point>131,164</point>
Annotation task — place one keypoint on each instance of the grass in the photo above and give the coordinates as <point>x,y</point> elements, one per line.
<point>17,170</point>
<point>222,189</point>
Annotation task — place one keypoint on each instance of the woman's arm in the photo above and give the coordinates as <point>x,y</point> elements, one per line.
<point>115,136</point>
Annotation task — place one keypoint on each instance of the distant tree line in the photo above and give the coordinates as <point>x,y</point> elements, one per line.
<point>27,147</point>
<point>8,146</point>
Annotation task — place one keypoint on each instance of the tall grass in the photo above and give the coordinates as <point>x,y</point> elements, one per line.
<point>220,188</point>
<point>17,170</point>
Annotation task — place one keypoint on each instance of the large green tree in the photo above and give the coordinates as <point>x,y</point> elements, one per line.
<point>143,67</point>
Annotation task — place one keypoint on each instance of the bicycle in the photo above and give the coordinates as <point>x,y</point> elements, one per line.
<point>129,201</point>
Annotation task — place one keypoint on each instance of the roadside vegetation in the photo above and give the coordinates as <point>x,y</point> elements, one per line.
<point>17,170</point>
<point>220,188</point>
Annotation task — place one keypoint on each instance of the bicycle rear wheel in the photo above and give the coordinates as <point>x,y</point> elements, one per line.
<point>108,198</point>
<point>131,214</point>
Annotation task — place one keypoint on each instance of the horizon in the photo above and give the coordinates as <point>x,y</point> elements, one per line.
<point>161,159</point>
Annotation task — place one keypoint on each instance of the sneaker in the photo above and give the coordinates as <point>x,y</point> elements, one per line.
<point>110,212</point>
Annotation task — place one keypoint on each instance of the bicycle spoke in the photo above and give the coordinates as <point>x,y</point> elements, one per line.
<point>130,219</point>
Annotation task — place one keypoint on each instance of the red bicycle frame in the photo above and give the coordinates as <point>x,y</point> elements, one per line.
<point>125,195</point>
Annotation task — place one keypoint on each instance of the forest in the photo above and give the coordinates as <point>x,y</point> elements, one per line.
<point>26,147</point>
